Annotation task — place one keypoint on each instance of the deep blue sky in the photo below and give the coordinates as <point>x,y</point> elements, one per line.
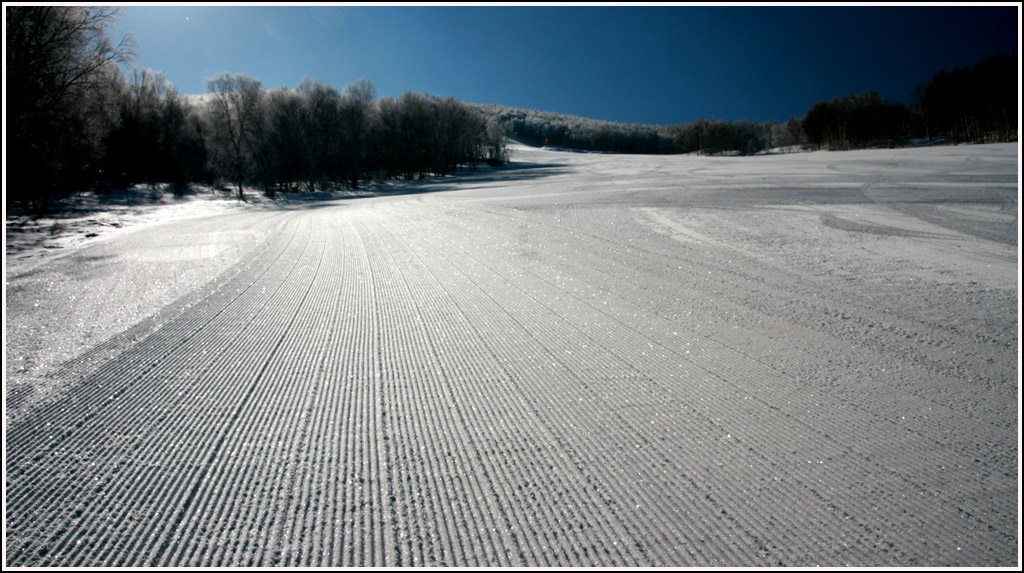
<point>659,65</point>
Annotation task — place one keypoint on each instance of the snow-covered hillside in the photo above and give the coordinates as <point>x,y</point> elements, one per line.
<point>574,360</point>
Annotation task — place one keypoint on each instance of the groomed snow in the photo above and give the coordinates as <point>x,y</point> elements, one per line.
<point>575,360</point>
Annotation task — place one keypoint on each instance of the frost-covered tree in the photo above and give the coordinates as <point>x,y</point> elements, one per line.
<point>134,150</point>
<point>414,121</point>
<point>497,142</point>
<point>355,112</point>
<point>59,61</point>
<point>321,124</point>
<point>286,146</point>
<point>235,116</point>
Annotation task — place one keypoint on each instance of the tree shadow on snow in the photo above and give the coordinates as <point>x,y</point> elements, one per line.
<point>460,181</point>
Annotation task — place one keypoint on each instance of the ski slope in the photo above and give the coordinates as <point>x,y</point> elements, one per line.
<point>575,360</point>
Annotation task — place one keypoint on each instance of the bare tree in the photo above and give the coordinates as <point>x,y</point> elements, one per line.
<point>58,58</point>
<point>361,90</point>
<point>356,106</point>
<point>235,118</point>
<point>134,143</point>
<point>385,135</point>
<point>497,142</point>
<point>54,50</point>
<point>321,122</point>
<point>288,147</point>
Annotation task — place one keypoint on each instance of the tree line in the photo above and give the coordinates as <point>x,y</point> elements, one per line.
<point>706,136</point>
<point>317,137</point>
<point>76,120</point>
<point>976,104</point>
<point>59,68</point>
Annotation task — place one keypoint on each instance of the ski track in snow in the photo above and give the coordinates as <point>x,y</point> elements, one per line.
<point>578,360</point>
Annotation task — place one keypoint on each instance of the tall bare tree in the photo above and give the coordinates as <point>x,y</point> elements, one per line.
<point>58,58</point>
<point>321,121</point>
<point>235,118</point>
<point>356,107</point>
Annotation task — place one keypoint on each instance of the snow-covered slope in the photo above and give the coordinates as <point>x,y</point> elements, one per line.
<point>578,359</point>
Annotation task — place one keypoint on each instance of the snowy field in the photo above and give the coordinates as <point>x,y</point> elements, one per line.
<point>579,359</point>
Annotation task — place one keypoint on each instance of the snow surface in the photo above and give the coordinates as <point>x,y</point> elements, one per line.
<point>578,359</point>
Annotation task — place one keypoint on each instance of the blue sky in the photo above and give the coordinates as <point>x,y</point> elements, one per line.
<point>658,65</point>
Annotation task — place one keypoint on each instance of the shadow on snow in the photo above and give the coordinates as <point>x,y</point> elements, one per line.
<point>461,181</point>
